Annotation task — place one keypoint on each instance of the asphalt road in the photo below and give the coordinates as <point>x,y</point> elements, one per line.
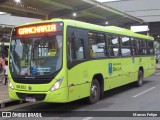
<point>126,98</point>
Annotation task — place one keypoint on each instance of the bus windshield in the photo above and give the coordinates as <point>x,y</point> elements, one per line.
<point>37,55</point>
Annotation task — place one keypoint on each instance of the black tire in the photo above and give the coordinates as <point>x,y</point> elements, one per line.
<point>139,82</point>
<point>94,92</point>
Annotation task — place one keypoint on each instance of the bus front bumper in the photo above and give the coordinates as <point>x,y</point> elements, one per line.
<point>57,96</point>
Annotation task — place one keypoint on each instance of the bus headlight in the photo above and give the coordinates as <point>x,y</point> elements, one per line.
<point>10,85</point>
<point>56,84</point>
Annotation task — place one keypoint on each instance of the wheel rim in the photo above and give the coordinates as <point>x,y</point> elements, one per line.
<point>94,92</point>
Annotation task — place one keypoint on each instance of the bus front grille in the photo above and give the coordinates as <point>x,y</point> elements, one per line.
<point>38,97</point>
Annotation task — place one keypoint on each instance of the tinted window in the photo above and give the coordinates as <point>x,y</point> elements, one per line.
<point>150,44</point>
<point>135,42</point>
<point>75,49</point>
<point>143,47</point>
<point>150,47</point>
<point>113,40</point>
<point>143,51</point>
<point>36,55</point>
<point>125,41</point>
<point>135,46</point>
<point>113,45</point>
<point>143,44</point>
<point>125,46</point>
<point>126,51</point>
<point>97,45</point>
<point>113,51</point>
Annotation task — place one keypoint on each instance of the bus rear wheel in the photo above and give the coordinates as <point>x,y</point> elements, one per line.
<point>139,82</point>
<point>94,92</point>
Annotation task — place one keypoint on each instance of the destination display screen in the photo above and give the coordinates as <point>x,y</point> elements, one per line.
<point>39,29</point>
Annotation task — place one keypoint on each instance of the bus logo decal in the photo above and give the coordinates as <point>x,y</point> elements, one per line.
<point>30,88</point>
<point>34,71</point>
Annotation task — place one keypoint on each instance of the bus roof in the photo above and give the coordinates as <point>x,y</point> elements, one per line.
<point>109,29</point>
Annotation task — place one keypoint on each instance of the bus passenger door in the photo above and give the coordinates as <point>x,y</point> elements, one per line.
<point>77,70</point>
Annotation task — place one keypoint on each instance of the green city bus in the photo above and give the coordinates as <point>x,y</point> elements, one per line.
<point>63,60</point>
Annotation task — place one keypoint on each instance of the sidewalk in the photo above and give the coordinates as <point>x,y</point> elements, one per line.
<point>4,97</point>
<point>3,92</point>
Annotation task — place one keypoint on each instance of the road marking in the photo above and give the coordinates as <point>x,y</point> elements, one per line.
<point>87,118</point>
<point>144,92</point>
<point>18,106</point>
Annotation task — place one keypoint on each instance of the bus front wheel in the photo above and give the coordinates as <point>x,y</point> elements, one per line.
<point>94,92</point>
<point>139,82</point>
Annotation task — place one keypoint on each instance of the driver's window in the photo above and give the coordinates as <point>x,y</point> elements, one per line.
<point>75,49</point>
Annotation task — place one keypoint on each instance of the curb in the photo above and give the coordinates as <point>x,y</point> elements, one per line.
<point>5,101</point>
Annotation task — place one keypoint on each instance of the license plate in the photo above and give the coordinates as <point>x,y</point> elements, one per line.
<point>30,99</point>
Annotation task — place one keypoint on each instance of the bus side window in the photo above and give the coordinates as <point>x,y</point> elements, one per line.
<point>75,48</point>
<point>135,46</point>
<point>79,49</point>
<point>113,45</point>
<point>143,47</point>
<point>150,48</point>
<point>97,45</point>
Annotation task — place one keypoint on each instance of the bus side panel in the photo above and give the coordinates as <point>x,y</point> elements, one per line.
<point>146,60</point>
<point>146,66</point>
<point>78,82</point>
<point>78,91</point>
<point>151,66</point>
<point>134,69</point>
<point>115,72</point>
<point>81,77</point>
<point>147,63</point>
<point>128,72</point>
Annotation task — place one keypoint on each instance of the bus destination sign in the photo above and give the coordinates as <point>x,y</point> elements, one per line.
<point>37,29</point>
